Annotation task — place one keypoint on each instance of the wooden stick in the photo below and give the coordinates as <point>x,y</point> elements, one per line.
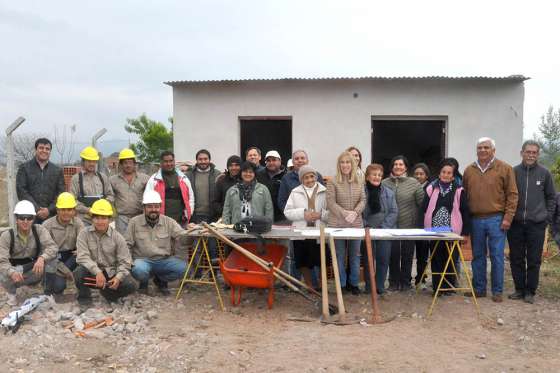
<point>278,274</point>
<point>373,285</point>
<point>341,309</point>
<point>324,289</point>
<point>277,271</point>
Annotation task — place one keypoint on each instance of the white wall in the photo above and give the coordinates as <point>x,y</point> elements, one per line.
<point>326,118</point>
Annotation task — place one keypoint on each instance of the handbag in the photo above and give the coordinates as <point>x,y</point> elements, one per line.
<point>253,224</point>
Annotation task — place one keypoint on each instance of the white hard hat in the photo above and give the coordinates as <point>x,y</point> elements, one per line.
<point>24,208</point>
<point>151,196</point>
<point>272,153</point>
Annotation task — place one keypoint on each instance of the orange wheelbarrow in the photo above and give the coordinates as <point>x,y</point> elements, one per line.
<point>240,272</point>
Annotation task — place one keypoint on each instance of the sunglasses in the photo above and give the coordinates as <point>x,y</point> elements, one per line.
<point>25,217</point>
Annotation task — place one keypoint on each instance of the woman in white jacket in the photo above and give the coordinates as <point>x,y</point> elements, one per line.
<point>307,207</point>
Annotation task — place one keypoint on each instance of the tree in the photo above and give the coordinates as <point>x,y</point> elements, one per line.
<point>64,144</point>
<point>549,139</point>
<point>154,137</point>
<point>24,147</point>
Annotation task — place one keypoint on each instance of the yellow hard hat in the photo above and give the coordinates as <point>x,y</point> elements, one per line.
<point>66,200</point>
<point>127,154</point>
<point>89,153</point>
<point>101,207</point>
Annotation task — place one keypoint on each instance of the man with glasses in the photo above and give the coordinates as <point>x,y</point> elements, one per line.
<point>39,181</point>
<point>24,251</point>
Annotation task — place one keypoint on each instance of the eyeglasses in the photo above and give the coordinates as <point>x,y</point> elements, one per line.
<point>25,217</point>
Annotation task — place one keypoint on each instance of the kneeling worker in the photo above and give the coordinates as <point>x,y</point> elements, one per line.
<point>150,239</point>
<point>64,229</point>
<point>24,251</point>
<point>103,258</point>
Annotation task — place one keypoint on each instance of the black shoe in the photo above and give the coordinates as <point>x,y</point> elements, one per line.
<point>143,288</point>
<point>516,296</point>
<point>406,287</point>
<point>393,287</point>
<point>529,298</point>
<point>355,290</point>
<point>162,286</point>
<point>85,304</point>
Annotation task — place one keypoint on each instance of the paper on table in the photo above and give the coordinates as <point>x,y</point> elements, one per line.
<point>410,232</point>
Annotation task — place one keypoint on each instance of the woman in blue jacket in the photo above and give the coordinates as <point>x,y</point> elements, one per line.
<point>380,212</point>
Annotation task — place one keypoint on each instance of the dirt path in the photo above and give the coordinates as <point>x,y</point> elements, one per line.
<point>194,336</point>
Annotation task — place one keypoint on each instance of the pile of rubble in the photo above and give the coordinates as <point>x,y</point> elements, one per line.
<point>61,333</point>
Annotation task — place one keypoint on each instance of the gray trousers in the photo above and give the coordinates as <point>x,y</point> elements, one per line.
<point>29,278</point>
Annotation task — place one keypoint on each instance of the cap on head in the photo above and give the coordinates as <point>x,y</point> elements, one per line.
<point>66,200</point>
<point>303,170</point>
<point>151,197</point>
<point>24,208</point>
<point>89,153</point>
<point>127,154</point>
<point>272,153</point>
<point>233,159</point>
<point>101,207</point>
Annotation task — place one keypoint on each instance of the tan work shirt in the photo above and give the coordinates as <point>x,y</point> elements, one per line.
<point>107,251</point>
<point>128,197</point>
<point>153,243</point>
<point>26,249</point>
<point>64,236</point>
<point>92,188</point>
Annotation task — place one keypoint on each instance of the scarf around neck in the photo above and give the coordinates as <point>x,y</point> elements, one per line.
<point>246,190</point>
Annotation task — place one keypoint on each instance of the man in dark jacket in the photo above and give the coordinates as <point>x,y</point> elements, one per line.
<point>40,181</point>
<point>271,177</point>
<point>291,179</point>
<point>203,181</point>
<point>535,210</point>
<point>225,181</point>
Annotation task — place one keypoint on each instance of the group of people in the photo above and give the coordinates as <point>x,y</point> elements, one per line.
<point>62,236</point>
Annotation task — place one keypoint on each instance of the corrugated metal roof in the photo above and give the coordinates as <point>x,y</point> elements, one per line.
<point>514,78</point>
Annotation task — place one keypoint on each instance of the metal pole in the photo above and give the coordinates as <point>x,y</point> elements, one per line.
<point>11,168</point>
<point>94,139</point>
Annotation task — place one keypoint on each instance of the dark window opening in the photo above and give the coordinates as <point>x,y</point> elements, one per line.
<point>267,134</point>
<point>419,140</point>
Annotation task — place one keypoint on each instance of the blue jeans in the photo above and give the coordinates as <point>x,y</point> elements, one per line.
<point>353,258</point>
<point>382,254</point>
<point>168,269</point>
<point>488,237</point>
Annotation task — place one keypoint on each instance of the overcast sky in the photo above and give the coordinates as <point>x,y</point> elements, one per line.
<point>96,63</point>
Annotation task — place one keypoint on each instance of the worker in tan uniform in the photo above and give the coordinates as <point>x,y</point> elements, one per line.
<point>150,239</point>
<point>90,185</point>
<point>128,188</point>
<point>103,258</point>
<point>64,228</point>
<point>24,251</point>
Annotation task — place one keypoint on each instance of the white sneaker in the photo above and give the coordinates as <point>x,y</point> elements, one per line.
<point>12,300</point>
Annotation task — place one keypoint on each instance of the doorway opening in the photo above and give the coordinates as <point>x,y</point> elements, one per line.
<point>420,139</point>
<point>270,133</point>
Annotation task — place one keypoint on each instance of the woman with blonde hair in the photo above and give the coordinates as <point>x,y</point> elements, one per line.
<point>357,154</point>
<point>346,199</point>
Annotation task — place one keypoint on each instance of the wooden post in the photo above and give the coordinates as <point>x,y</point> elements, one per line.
<point>11,169</point>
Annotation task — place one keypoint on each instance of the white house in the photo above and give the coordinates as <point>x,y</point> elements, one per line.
<point>424,118</point>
